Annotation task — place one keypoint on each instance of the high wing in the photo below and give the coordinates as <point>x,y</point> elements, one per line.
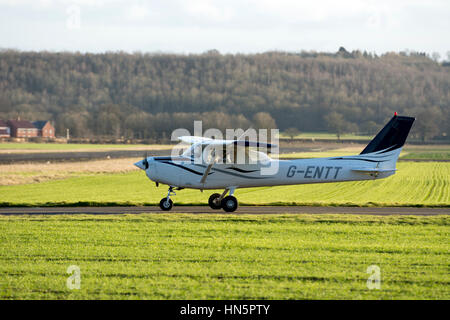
<point>209,141</point>
<point>194,139</point>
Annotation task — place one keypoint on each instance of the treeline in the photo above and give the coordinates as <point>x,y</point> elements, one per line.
<point>110,120</point>
<point>148,95</point>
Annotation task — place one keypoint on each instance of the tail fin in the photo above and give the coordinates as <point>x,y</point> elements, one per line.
<point>392,136</point>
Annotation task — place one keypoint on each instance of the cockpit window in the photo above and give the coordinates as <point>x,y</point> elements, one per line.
<point>226,154</point>
<point>258,156</point>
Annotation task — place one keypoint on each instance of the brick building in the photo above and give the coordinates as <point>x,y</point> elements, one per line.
<point>45,129</point>
<point>22,129</point>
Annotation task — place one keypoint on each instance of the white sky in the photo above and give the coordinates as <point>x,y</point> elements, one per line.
<point>230,26</point>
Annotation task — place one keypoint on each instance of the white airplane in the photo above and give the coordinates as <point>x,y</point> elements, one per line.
<point>216,164</point>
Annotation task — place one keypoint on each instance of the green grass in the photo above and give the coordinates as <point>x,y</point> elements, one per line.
<point>428,155</point>
<point>224,256</point>
<point>315,154</point>
<point>67,146</point>
<point>415,184</point>
<point>326,135</point>
<point>431,156</point>
<point>426,152</point>
<point>432,153</point>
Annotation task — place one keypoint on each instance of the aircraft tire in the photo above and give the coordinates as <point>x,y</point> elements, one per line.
<point>164,205</point>
<point>229,204</point>
<point>212,203</point>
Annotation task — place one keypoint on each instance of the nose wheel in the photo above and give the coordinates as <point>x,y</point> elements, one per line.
<point>166,203</point>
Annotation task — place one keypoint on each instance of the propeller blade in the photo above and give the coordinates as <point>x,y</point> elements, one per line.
<point>208,169</point>
<point>145,161</point>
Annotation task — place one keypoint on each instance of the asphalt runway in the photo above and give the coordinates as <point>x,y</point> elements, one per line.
<point>383,211</point>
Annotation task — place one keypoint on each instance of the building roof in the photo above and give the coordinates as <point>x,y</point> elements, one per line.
<point>3,123</point>
<point>22,124</point>
<point>40,124</point>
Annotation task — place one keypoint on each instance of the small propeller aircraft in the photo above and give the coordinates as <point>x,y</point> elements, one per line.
<point>232,164</point>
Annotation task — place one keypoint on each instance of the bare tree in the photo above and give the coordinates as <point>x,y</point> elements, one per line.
<point>427,123</point>
<point>336,123</point>
<point>292,132</point>
<point>263,120</point>
<point>435,56</point>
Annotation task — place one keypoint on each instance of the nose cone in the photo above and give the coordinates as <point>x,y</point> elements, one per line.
<point>140,164</point>
<point>143,164</point>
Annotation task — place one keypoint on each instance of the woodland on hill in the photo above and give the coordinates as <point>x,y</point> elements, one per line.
<point>148,95</point>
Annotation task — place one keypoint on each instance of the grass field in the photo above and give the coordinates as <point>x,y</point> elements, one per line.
<point>437,152</point>
<point>431,152</point>
<point>428,155</point>
<point>180,256</point>
<point>224,257</point>
<point>408,155</point>
<point>26,147</point>
<point>326,135</point>
<point>415,184</point>
<point>25,173</point>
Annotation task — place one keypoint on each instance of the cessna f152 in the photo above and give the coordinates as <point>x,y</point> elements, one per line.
<point>220,167</point>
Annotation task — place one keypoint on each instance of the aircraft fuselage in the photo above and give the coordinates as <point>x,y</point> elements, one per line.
<point>184,173</point>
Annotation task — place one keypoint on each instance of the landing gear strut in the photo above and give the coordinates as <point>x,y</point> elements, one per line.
<point>166,203</point>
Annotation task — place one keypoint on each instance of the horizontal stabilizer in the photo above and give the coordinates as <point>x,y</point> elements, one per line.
<point>373,170</point>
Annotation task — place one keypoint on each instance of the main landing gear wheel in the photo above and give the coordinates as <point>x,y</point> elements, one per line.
<point>214,202</point>
<point>229,204</point>
<point>166,205</point>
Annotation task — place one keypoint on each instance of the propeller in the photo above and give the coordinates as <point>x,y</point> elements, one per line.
<point>205,175</point>
<point>145,161</point>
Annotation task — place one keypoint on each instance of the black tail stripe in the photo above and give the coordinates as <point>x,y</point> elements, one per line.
<point>241,170</point>
<point>368,160</point>
<point>389,149</point>
<point>232,173</point>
